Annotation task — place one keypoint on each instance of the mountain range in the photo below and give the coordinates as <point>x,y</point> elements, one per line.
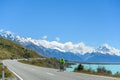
<point>68,50</point>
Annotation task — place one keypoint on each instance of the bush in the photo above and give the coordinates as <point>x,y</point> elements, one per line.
<point>102,70</point>
<point>117,74</point>
<point>80,68</point>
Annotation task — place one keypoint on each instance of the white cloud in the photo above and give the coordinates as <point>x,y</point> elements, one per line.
<point>57,39</point>
<point>80,48</point>
<point>44,37</point>
<point>77,48</point>
<point>66,47</point>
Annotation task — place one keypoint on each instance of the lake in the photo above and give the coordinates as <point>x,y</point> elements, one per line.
<point>113,68</point>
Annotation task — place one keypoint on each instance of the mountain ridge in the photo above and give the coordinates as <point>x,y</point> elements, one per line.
<point>81,47</point>
<point>68,50</point>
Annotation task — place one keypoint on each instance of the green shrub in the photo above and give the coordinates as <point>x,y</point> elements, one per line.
<point>117,74</point>
<point>102,70</point>
<point>80,68</point>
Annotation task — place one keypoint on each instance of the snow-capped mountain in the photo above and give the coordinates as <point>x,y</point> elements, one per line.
<point>63,47</point>
<point>68,50</point>
<point>105,48</point>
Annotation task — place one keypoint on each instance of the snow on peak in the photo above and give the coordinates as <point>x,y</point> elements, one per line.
<point>7,34</point>
<point>64,47</point>
<point>105,48</point>
<point>80,48</point>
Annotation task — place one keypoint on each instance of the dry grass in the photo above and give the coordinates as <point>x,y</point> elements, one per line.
<point>7,72</point>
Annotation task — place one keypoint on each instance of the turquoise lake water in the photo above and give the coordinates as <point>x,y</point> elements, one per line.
<point>113,68</point>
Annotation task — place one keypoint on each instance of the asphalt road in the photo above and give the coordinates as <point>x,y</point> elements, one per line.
<point>29,72</point>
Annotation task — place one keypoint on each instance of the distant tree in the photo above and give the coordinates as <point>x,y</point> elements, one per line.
<point>80,67</point>
<point>117,73</point>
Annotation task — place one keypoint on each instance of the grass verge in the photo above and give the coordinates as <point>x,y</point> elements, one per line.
<point>7,72</point>
<point>47,62</point>
<point>100,71</point>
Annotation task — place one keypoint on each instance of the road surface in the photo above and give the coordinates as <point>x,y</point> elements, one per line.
<point>29,72</point>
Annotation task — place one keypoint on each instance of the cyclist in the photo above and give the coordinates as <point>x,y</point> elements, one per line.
<point>62,62</point>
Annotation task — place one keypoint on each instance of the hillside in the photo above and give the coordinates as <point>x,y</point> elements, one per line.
<point>67,50</point>
<point>9,49</point>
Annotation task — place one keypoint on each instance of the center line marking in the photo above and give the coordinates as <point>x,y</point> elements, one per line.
<point>33,69</point>
<point>50,73</point>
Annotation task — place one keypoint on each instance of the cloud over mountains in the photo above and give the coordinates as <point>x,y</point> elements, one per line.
<point>79,48</point>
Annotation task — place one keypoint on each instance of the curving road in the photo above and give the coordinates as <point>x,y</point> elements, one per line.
<point>29,72</point>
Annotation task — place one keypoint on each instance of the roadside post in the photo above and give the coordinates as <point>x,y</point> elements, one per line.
<point>3,73</point>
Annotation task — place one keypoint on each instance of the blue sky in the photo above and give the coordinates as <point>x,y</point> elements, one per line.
<point>93,22</point>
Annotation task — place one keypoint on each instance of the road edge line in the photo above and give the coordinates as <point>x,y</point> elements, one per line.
<point>16,74</point>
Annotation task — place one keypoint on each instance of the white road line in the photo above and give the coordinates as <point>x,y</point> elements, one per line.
<point>15,74</point>
<point>33,69</point>
<point>50,73</point>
